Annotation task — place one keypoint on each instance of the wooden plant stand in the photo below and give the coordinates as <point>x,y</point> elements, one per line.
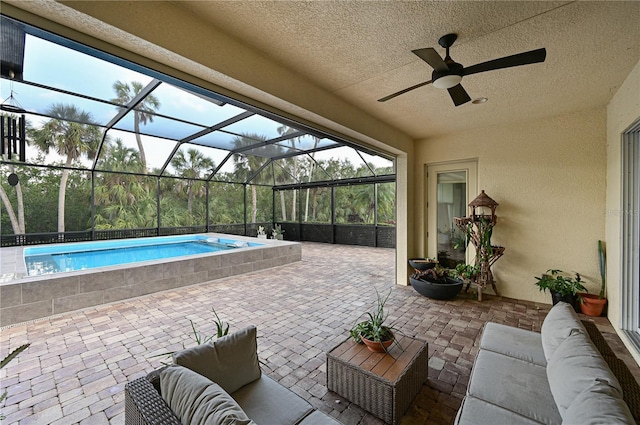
<point>484,259</point>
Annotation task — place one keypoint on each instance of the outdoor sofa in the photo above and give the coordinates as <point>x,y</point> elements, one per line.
<point>557,376</point>
<point>217,383</point>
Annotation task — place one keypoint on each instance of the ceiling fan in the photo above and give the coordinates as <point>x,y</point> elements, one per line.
<point>447,74</point>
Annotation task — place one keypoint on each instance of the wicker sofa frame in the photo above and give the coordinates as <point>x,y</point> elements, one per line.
<point>143,404</point>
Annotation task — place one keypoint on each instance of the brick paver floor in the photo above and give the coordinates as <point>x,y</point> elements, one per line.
<point>79,362</point>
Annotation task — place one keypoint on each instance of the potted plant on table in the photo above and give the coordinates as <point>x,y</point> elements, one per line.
<point>373,332</point>
<point>591,304</point>
<point>562,286</point>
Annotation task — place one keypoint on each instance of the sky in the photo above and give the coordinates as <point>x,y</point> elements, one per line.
<point>52,65</point>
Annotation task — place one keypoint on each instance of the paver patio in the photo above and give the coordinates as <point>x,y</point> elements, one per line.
<point>78,363</point>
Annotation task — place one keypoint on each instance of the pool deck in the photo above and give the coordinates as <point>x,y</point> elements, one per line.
<point>12,264</point>
<point>25,298</point>
<point>79,362</point>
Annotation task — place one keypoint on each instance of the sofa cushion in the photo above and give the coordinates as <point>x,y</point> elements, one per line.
<point>197,401</point>
<point>230,361</point>
<point>267,402</point>
<point>514,385</point>
<point>513,342</point>
<point>561,321</point>
<point>475,411</point>
<point>574,367</point>
<point>599,404</point>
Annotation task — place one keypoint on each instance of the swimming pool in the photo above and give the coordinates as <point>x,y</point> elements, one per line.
<point>26,298</point>
<point>88,255</point>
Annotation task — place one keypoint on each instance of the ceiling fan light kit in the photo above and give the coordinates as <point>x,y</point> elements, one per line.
<point>447,73</point>
<point>447,81</point>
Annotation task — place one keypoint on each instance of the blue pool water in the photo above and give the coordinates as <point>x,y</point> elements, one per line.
<point>88,255</point>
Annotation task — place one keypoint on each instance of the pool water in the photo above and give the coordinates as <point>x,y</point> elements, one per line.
<point>81,256</point>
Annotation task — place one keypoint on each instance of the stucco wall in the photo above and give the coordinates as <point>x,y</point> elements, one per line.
<point>549,178</point>
<point>622,111</point>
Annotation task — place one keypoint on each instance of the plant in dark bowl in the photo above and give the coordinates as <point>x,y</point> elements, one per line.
<point>437,283</point>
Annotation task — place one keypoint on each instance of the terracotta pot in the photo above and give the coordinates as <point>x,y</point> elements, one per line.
<point>591,305</point>
<point>377,347</point>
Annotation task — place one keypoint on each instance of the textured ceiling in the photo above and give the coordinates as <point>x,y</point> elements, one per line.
<point>361,51</point>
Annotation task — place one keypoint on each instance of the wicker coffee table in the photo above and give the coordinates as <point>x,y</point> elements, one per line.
<point>382,384</point>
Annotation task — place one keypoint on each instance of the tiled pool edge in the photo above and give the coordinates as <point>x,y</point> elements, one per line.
<point>34,298</point>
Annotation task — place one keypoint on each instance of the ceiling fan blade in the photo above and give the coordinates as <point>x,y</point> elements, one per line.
<point>430,56</point>
<point>459,95</point>
<point>391,96</point>
<point>526,58</point>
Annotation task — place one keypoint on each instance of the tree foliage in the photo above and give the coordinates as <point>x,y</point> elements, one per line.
<point>59,197</point>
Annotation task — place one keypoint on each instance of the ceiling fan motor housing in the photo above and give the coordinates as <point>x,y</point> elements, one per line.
<point>446,79</point>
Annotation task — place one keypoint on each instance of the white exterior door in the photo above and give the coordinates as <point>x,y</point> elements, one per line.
<point>450,188</point>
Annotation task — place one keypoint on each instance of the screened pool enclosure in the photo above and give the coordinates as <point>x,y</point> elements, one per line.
<point>95,147</point>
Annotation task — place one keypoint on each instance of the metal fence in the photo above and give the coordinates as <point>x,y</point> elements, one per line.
<point>363,235</point>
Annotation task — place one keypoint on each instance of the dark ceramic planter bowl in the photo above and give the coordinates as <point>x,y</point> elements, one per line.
<point>437,291</point>
<point>569,299</point>
<point>420,264</point>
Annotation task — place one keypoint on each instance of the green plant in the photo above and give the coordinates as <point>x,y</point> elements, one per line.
<point>12,355</point>
<point>222,329</point>
<point>374,327</point>
<point>261,231</point>
<point>602,255</point>
<point>557,281</point>
<point>277,231</point>
<point>439,274</point>
<point>466,271</point>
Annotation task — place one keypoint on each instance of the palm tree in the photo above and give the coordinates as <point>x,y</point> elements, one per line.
<point>191,166</point>
<point>285,130</point>
<point>316,140</point>
<point>70,133</point>
<point>364,201</point>
<point>16,218</point>
<point>143,111</point>
<point>123,196</point>
<point>246,165</point>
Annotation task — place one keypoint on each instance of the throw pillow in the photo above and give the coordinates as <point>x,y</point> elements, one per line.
<point>230,361</point>
<point>197,401</point>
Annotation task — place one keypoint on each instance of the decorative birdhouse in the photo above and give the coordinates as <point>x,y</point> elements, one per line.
<point>483,206</point>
